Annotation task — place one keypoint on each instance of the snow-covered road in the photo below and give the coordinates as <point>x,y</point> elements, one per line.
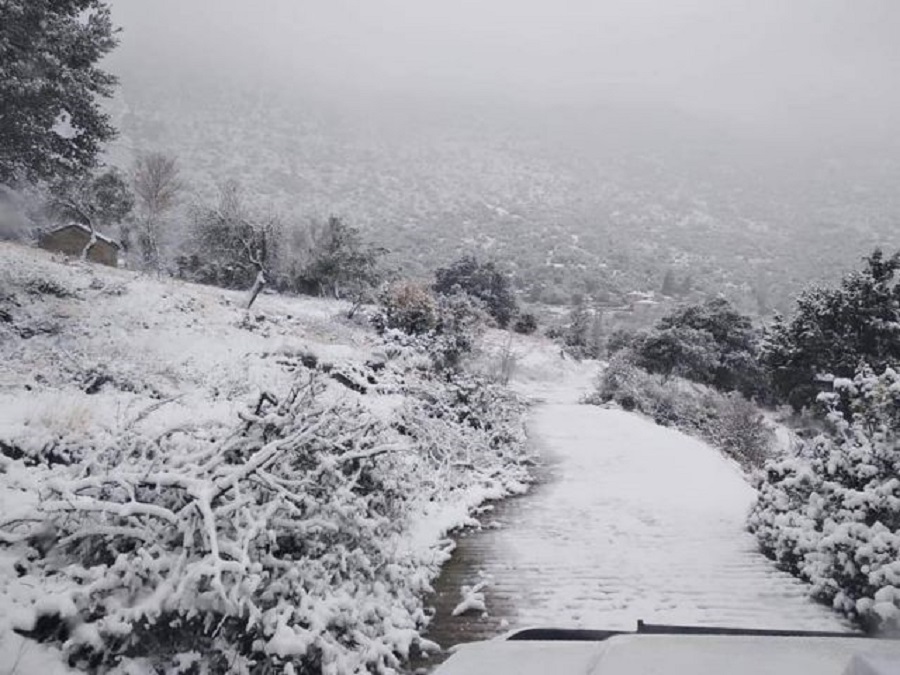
<point>631,521</point>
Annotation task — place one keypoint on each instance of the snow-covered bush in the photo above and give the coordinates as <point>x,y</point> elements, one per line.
<point>40,286</point>
<point>281,545</point>
<point>481,280</point>
<point>407,306</point>
<point>467,434</point>
<point>741,431</point>
<point>831,515</point>
<point>446,327</point>
<point>458,323</point>
<point>526,323</point>
<point>270,546</point>
<point>728,421</point>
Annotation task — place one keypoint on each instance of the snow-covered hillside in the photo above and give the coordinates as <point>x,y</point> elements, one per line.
<point>97,365</point>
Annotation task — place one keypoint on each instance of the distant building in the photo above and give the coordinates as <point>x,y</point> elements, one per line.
<point>72,238</point>
<point>640,296</point>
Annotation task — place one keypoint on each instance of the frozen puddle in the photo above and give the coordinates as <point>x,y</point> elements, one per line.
<point>631,521</point>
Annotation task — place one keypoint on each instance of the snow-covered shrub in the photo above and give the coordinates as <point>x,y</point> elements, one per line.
<point>281,543</point>
<point>484,281</point>
<point>446,327</point>
<point>741,431</point>
<point>669,402</point>
<point>621,382</point>
<point>461,320</point>
<point>52,430</point>
<point>831,515</point>
<point>41,286</point>
<point>467,432</point>
<point>503,362</point>
<point>526,323</point>
<point>728,421</point>
<point>270,547</point>
<point>409,307</point>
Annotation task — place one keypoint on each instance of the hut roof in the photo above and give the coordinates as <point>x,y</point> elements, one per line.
<point>84,228</point>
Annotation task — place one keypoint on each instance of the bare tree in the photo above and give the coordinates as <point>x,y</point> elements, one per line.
<point>237,243</point>
<point>157,185</point>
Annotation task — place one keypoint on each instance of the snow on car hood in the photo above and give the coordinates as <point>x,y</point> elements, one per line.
<point>679,655</point>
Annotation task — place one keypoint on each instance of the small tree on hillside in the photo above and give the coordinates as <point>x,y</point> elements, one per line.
<point>526,323</point>
<point>582,334</point>
<point>234,247</point>
<point>157,186</point>
<point>483,281</point>
<point>460,321</point>
<point>341,264</point>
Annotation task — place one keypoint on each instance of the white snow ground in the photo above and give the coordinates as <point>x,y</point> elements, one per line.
<point>635,522</point>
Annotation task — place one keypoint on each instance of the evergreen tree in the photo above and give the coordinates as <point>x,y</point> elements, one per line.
<point>836,329</point>
<point>51,124</point>
<point>342,264</point>
<point>709,343</point>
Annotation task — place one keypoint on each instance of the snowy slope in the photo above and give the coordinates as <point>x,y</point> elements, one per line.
<point>88,353</point>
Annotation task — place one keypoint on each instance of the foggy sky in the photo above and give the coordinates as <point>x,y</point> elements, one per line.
<point>832,64</point>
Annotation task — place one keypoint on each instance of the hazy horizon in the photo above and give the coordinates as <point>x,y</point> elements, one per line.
<point>820,67</point>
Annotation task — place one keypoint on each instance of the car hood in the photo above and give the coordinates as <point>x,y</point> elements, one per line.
<point>678,655</point>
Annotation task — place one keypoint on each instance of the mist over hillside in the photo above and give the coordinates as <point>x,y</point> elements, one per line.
<point>586,173</point>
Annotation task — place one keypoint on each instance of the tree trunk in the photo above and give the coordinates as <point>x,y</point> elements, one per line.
<point>257,288</point>
<point>90,243</point>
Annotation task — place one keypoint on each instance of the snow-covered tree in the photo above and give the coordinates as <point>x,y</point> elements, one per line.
<point>582,335</point>
<point>51,122</point>
<point>835,329</point>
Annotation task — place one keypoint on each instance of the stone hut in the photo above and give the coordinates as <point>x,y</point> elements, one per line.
<point>72,238</point>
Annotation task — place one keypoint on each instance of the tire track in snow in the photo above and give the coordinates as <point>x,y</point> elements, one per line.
<point>629,521</point>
